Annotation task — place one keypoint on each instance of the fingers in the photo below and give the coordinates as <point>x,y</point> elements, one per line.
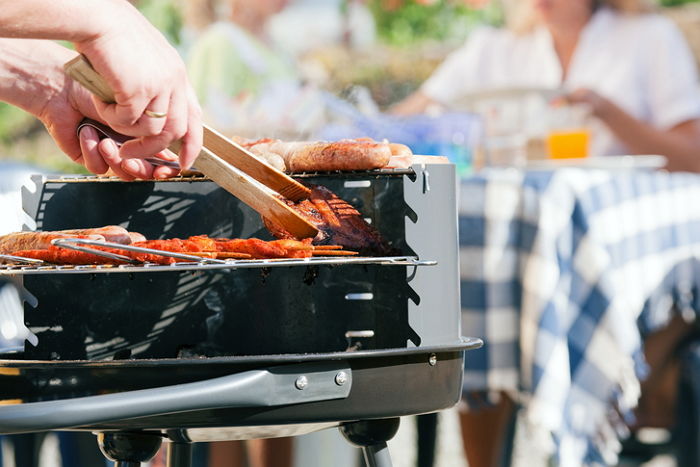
<point>127,111</point>
<point>593,103</point>
<point>155,125</point>
<point>92,159</point>
<point>122,118</point>
<point>176,126</point>
<point>183,123</point>
<point>101,155</point>
<point>110,153</point>
<point>138,168</point>
<point>161,172</point>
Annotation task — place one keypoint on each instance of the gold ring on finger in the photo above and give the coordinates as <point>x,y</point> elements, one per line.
<point>152,114</point>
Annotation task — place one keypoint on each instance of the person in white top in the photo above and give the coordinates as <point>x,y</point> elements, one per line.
<point>632,67</point>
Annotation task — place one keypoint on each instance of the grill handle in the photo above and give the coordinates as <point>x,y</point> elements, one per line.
<point>274,386</point>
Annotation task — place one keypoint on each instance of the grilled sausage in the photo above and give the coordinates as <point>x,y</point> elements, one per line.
<point>18,241</point>
<point>345,155</point>
<point>42,240</point>
<point>136,237</point>
<point>111,233</point>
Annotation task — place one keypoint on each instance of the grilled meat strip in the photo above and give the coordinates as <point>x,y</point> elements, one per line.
<point>321,156</point>
<point>57,255</point>
<point>338,223</point>
<point>254,247</point>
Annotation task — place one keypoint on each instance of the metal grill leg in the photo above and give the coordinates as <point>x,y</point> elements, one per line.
<point>426,425</point>
<point>371,436</point>
<point>129,449</point>
<point>377,455</point>
<point>179,455</point>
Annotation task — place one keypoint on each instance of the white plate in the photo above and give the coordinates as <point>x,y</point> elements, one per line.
<point>601,163</point>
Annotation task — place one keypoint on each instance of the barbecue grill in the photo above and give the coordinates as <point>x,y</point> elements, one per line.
<point>240,349</point>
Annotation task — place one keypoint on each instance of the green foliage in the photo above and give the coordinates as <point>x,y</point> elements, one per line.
<point>443,20</point>
<point>165,16</point>
<point>676,2</point>
<point>13,122</point>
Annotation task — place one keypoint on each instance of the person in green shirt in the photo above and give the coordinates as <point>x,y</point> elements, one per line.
<point>236,72</point>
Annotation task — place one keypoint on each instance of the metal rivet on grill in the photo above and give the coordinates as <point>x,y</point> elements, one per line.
<point>341,378</point>
<point>301,382</point>
<point>432,361</point>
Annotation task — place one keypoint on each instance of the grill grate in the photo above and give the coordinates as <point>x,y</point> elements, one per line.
<point>196,177</point>
<point>33,266</point>
<point>16,269</point>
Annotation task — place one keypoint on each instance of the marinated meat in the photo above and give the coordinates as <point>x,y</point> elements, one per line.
<point>201,246</point>
<point>338,223</point>
<point>252,246</point>
<point>58,255</point>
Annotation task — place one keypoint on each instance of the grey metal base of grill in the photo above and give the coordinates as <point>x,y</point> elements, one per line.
<point>257,397</point>
<point>131,449</point>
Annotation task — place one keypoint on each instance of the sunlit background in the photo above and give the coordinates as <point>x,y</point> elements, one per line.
<point>350,59</point>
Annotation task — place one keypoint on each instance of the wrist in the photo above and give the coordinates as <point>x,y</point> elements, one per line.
<point>31,73</point>
<point>114,17</point>
<point>75,21</point>
<point>603,108</point>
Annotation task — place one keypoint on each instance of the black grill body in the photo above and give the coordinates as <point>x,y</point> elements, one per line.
<point>336,344</point>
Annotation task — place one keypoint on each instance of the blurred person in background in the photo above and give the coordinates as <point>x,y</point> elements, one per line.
<point>197,16</point>
<point>632,68</point>
<point>309,24</point>
<point>244,83</point>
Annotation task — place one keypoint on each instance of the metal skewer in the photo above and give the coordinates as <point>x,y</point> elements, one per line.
<point>72,244</point>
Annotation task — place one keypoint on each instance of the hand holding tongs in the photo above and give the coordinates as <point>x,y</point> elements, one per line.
<point>226,163</point>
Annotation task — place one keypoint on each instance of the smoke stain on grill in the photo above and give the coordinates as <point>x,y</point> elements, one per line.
<point>264,274</point>
<point>187,351</point>
<point>122,354</point>
<point>310,275</point>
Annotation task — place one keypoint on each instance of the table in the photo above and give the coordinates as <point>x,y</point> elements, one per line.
<point>558,270</point>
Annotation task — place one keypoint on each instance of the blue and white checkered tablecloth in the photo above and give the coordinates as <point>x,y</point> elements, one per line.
<point>557,267</point>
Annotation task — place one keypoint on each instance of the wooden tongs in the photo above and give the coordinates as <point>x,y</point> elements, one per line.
<point>226,163</point>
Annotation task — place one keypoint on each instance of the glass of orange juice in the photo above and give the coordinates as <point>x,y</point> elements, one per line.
<point>568,136</point>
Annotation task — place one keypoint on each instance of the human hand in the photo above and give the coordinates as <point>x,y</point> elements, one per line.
<point>146,74</point>
<point>598,105</point>
<point>63,112</point>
